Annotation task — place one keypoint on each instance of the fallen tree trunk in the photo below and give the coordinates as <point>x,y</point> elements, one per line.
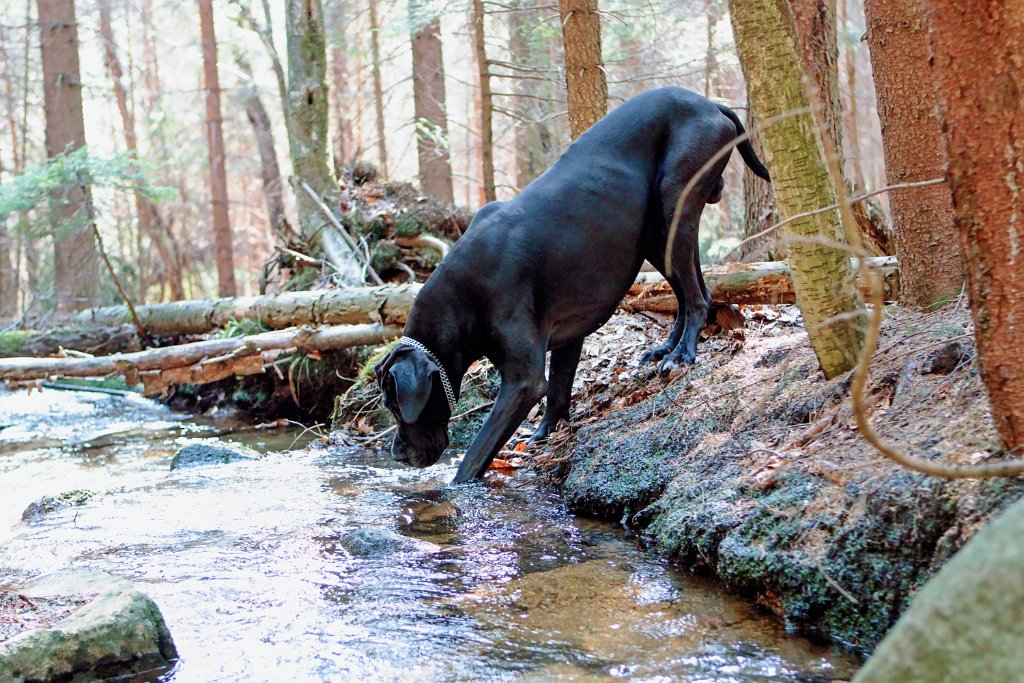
<point>198,362</point>
<point>388,305</point>
<point>744,283</point>
<point>735,283</point>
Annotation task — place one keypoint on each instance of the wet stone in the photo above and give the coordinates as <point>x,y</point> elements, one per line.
<point>204,454</point>
<point>376,542</point>
<point>116,631</point>
<point>50,504</point>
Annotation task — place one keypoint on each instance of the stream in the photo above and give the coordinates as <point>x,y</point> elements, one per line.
<point>245,561</point>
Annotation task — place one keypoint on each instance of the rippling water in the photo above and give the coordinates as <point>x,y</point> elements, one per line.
<point>244,561</point>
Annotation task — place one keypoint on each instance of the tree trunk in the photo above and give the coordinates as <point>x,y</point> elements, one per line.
<point>486,101</point>
<point>344,152</point>
<point>388,304</point>
<point>223,249</point>
<point>435,169</point>
<point>769,282</point>
<point>76,282</point>
<point>760,211</point>
<point>534,137</point>
<point>584,69</point>
<point>378,89</point>
<point>309,140</point>
<point>273,187</point>
<point>186,361</point>
<point>145,209</point>
<point>923,220</point>
<point>823,278</point>
<point>852,129</point>
<point>815,22</point>
<point>980,77</point>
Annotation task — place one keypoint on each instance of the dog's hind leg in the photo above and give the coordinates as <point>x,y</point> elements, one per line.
<point>564,360</point>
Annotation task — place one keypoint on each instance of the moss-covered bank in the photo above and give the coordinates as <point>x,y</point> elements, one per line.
<point>750,469</point>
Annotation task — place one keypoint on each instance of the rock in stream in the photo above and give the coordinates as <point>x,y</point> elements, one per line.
<point>117,631</point>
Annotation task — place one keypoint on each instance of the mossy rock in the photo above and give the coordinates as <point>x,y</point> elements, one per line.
<point>118,633</point>
<point>965,623</point>
<point>49,504</point>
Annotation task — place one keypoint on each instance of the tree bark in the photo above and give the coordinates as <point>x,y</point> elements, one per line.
<point>435,168</point>
<point>76,282</point>
<point>149,219</point>
<point>309,140</point>
<point>378,89</point>
<point>223,249</point>
<point>486,101</point>
<point>924,231</point>
<point>584,69</point>
<point>823,278</point>
<point>978,52</point>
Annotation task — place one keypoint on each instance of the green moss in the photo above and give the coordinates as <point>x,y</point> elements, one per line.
<point>11,342</point>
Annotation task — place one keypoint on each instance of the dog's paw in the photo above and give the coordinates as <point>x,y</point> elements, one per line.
<point>654,355</point>
<point>675,364</point>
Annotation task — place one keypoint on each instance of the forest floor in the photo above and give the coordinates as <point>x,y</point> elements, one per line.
<point>749,467</point>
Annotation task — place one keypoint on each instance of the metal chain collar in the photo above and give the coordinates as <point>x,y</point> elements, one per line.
<point>445,382</point>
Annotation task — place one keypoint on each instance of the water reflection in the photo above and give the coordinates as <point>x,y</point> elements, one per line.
<point>246,563</point>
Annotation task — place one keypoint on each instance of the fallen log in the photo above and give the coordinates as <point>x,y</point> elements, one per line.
<point>735,283</point>
<point>198,362</point>
<point>388,305</point>
<point>744,283</point>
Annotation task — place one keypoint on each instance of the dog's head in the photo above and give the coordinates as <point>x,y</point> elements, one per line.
<point>410,382</point>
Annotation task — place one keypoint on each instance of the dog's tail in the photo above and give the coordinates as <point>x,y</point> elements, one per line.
<point>745,148</point>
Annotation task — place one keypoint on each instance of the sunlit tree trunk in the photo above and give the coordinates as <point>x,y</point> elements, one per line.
<point>822,276</point>
<point>378,89</point>
<point>308,138</point>
<point>850,112</point>
<point>584,69</point>
<point>76,260</point>
<point>486,103</point>
<point>223,249</point>
<point>977,50</point>
<point>435,169</point>
<point>931,261</point>
<point>9,257</point>
<point>270,171</point>
<point>150,222</point>
<point>534,138</point>
<point>341,103</point>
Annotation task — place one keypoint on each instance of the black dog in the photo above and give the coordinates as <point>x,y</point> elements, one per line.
<point>544,270</point>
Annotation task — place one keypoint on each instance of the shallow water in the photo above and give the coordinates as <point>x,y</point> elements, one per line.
<point>245,563</point>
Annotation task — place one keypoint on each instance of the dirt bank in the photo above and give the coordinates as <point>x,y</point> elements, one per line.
<point>750,468</point>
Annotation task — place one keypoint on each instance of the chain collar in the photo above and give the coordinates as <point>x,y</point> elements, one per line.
<point>445,382</point>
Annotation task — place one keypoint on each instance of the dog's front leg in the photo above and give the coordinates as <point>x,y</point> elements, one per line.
<point>521,389</point>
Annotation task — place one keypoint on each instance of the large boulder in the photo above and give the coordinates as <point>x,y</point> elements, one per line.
<point>965,624</point>
<point>119,631</point>
<point>203,454</point>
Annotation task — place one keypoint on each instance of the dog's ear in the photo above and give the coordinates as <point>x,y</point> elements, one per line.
<point>413,384</point>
